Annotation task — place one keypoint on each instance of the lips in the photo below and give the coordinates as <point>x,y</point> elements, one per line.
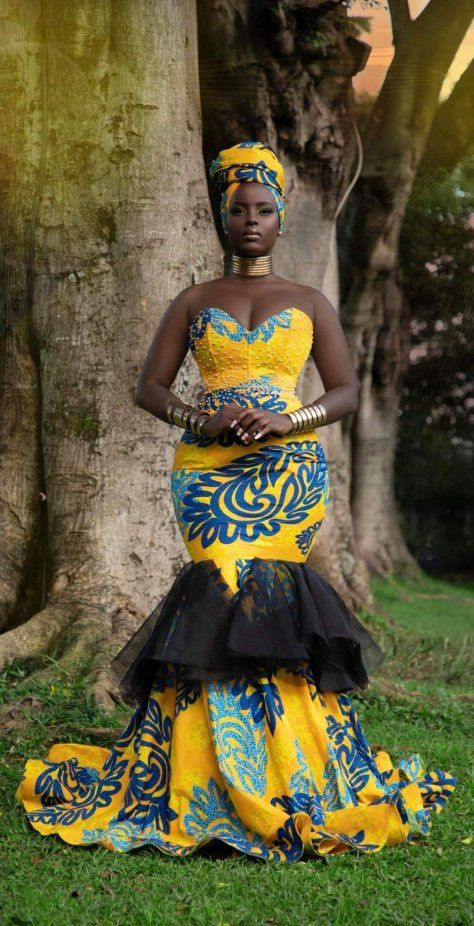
<point>252,235</point>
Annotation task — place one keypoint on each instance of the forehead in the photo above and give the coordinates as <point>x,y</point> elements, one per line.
<point>251,192</point>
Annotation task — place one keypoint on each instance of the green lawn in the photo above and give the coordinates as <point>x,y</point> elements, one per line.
<point>44,881</point>
<point>431,606</point>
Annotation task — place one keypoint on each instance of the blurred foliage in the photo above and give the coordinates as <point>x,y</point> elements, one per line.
<point>434,457</point>
<point>434,479</point>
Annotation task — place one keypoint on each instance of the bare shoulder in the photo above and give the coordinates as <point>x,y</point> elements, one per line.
<point>314,302</point>
<point>323,307</point>
<point>325,315</point>
<point>180,307</point>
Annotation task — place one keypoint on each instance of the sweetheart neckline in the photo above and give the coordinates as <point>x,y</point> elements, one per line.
<point>291,308</point>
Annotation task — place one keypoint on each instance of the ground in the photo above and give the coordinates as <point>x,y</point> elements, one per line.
<point>421,704</point>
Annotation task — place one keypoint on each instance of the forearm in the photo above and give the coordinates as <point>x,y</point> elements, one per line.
<point>170,408</point>
<point>154,398</point>
<point>339,401</point>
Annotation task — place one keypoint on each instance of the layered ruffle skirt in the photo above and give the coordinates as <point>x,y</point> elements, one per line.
<point>243,731</point>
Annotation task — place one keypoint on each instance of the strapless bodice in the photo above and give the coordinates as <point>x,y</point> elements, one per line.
<point>269,357</point>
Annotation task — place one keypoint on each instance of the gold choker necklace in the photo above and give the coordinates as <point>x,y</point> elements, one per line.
<point>252,266</point>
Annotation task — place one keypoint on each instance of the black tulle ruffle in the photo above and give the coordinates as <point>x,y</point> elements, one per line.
<point>282,613</point>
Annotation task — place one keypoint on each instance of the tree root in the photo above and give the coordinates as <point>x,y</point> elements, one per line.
<point>388,560</point>
<point>81,639</point>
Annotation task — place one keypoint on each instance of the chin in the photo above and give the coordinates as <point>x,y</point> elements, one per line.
<point>254,246</point>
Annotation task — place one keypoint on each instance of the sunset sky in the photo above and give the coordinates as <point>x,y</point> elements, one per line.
<point>380,38</point>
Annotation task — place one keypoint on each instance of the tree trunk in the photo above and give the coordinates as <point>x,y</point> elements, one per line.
<point>282,74</point>
<point>114,179</point>
<point>21,508</point>
<point>371,303</point>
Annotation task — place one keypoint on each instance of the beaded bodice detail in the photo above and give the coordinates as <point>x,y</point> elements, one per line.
<point>268,358</point>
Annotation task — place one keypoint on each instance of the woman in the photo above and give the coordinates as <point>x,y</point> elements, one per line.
<point>244,730</point>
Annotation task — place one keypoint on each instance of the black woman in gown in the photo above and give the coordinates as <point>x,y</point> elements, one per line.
<point>243,729</point>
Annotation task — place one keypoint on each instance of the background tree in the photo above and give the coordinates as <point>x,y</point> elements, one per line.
<point>434,453</point>
<point>105,217</point>
<point>393,143</point>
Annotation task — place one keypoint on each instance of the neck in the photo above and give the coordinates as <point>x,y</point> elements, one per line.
<point>262,265</point>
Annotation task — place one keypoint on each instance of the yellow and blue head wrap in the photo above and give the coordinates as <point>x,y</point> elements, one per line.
<point>247,161</point>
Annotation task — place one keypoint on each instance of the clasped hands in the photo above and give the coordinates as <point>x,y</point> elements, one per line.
<point>248,424</point>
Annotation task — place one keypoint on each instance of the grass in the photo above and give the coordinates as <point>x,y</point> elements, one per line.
<point>45,881</point>
<point>430,606</point>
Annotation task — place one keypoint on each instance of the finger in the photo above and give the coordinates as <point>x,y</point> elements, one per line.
<point>257,427</point>
<point>236,420</point>
<point>258,430</point>
<point>262,432</point>
<point>245,433</point>
<point>250,418</point>
<point>248,410</point>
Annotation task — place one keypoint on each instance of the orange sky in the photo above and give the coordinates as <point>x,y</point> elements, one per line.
<point>380,38</point>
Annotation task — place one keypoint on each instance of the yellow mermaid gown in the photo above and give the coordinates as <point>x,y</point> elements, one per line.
<point>243,729</point>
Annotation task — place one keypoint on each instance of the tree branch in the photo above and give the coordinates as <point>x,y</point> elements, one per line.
<point>452,131</point>
<point>439,12</point>
<point>401,19</point>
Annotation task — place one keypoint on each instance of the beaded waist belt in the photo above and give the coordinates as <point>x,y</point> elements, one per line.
<point>254,388</point>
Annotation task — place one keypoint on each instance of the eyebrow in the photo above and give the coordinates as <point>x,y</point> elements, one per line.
<point>263,202</point>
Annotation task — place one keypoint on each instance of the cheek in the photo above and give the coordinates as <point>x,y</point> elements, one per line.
<point>271,227</point>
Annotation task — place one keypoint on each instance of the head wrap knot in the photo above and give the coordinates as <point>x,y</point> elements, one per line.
<point>247,161</point>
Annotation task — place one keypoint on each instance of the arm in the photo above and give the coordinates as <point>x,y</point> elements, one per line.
<point>162,363</point>
<point>164,358</point>
<point>333,360</point>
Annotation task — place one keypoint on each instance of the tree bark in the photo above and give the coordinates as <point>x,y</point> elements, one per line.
<point>20,182</point>
<point>122,223</point>
<point>372,301</point>
<point>281,73</point>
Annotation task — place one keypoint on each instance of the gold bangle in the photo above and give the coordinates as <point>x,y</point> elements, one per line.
<point>193,419</point>
<point>299,419</point>
<point>318,414</point>
<point>193,422</point>
<point>203,416</point>
<point>290,416</point>
<point>176,411</point>
<point>315,415</point>
<point>294,421</point>
<point>168,409</point>
<point>308,416</point>
<point>324,413</point>
<point>178,414</point>
<point>188,417</point>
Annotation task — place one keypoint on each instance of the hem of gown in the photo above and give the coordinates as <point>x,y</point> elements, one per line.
<point>283,611</point>
<point>299,835</point>
<point>395,804</point>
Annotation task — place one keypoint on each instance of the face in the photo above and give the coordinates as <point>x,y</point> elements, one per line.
<point>252,209</point>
